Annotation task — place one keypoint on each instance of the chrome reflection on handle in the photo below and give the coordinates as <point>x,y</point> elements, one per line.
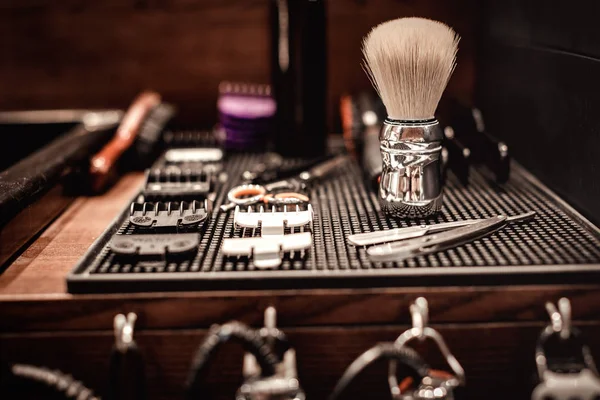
<point>411,184</point>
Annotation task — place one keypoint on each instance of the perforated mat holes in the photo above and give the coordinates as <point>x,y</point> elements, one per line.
<point>344,205</point>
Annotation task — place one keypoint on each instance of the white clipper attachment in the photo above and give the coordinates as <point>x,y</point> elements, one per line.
<point>267,249</point>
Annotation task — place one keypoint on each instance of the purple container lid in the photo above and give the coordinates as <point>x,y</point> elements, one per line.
<point>246,107</point>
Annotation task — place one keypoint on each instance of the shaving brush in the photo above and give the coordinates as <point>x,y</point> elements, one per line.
<point>409,62</point>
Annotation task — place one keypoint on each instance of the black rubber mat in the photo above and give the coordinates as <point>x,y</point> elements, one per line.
<point>558,245</point>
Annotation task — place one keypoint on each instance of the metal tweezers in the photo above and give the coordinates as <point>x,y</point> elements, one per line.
<point>413,242</point>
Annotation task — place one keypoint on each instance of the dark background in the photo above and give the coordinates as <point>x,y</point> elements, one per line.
<point>87,53</point>
<point>539,89</point>
<point>532,66</point>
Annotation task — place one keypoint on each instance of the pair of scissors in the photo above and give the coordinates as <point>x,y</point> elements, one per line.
<point>283,192</point>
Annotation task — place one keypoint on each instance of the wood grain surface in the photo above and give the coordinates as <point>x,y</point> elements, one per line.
<point>84,53</point>
<point>40,270</point>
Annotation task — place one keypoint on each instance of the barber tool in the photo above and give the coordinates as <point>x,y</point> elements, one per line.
<point>469,127</point>
<point>194,155</point>
<point>421,245</point>
<point>565,365</point>
<point>246,113</point>
<point>103,164</point>
<point>439,384</point>
<point>190,138</point>
<point>284,191</point>
<point>299,76</point>
<point>149,141</point>
<point>269,366</point>
<point>127,375</point>
<point>269,164</point>
<point>170,215</point>
<point>161,246</point>
<point>267,249</point>
<point>392,235</point>
<point>176,182</point>
<point>409,62</point>
<point>459,155</point>
<point>273,169</point>
<point>32,191</point>
<point>183,174</point>
<point>362,118</point>
<point>423,383</point>
<point>284,384</point>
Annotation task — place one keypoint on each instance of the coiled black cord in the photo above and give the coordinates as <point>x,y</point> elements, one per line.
<point>55,379</point>
<point>388,351</point>
<point>252,341</point>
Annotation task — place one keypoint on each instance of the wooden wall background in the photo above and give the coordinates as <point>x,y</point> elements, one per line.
<point>85,53</point>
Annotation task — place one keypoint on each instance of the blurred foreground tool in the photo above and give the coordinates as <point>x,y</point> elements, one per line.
<point>138,134</point>
<point>362,117</point>
<point>32,191</point>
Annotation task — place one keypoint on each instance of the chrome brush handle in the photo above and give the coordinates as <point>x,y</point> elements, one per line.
<point>411,184</point>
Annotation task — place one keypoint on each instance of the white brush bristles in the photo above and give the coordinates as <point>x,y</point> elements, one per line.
<point>409,62</point>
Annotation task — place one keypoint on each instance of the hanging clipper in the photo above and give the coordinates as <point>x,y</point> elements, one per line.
<point>282,385</point>
<point>565,365</point>
<point>127,376</point>
<point>269,363</point>
<point>418,370</point>
<point>437,384</point>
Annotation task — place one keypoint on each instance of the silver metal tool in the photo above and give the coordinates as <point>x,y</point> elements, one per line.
<point>123,329</point>
<point>392,235</point>
<point>284,384</point>
<point>248,194</point>
<point>575,377</point>
<point>431,387</point>
<point>400,250</point>
<point>411,184</point>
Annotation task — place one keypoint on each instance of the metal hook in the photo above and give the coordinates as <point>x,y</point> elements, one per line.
<point>124,328</point>
<point>270,329</point>
<point>560,319</point>
<point>269,332</point>
<point>419,311</point>
<point>561,324</point>
<point>420,317</point>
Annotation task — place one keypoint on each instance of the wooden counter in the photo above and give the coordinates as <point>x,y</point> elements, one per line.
<point>491,330</point>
